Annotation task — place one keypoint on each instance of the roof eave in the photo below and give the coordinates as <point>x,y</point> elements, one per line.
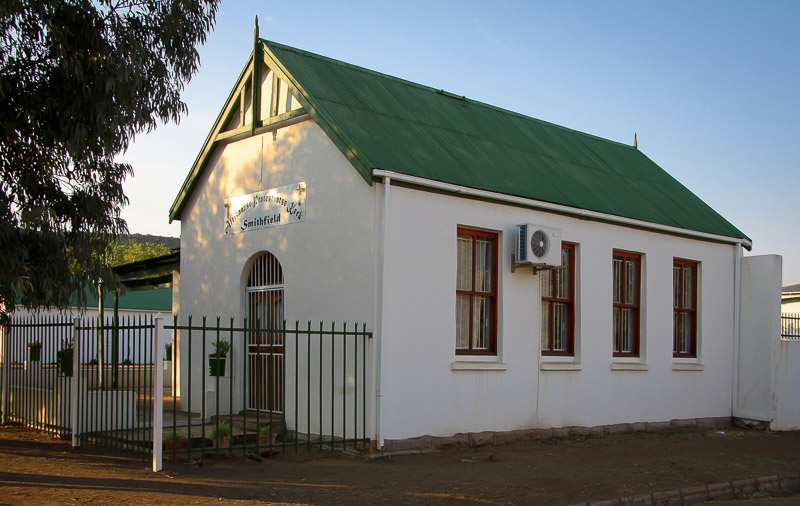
<point>560,208</point>
<point>208,145</point>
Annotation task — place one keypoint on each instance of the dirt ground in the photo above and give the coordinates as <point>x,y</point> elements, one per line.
<point>35,468</point>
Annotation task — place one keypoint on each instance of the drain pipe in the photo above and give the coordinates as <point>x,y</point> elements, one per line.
<point>387,181</point>
<point>737,288</point>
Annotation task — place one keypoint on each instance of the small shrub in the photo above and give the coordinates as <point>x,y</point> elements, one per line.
<point>175,436</point>
<point>221,347</point>
<point>221,429</point>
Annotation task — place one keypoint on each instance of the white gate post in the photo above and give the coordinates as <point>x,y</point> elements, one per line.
<point>76,370</point>
<point>5,334</point>
<point>158,392</point>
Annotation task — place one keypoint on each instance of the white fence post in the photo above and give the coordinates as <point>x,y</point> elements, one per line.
<point>158,392</point>
<point>76,370</point>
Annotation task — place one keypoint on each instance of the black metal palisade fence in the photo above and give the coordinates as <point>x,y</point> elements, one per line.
<point>110,382</point>
<point>790,326</point>
<point>81,377</point>
<point>278,388</point>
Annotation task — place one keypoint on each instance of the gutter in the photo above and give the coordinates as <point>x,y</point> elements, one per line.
<point>387,181</point>
<point>737,281</point>
<point>558,208</point>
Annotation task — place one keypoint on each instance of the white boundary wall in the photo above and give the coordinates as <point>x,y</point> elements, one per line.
<point>787,387</point>
<point>769,368</point>
<point>759,332</point>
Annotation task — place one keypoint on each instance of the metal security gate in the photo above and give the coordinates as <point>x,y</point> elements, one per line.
<point>82,377</point>
<point>265,348</point>
<point>115,392</point>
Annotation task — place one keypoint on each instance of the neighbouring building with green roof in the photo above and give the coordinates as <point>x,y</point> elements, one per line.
<point>516,274</point>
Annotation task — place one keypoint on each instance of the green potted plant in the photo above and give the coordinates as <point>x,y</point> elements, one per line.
<point>34,351</point>
<point>266,436</point>
<point>64,356</point>
<point>174,441</point>
<point>220,434</point>
<point>168,352</point>
<point>216,360</point>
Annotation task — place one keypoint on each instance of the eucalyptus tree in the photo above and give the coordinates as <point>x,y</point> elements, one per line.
<point>79,79</point>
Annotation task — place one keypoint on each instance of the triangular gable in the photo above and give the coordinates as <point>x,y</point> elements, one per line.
<point>274,104</point>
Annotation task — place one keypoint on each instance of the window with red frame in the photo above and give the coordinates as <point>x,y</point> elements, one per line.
<point>627,287</point>
<point>558,305</point>
<point>684,302</point>
<point>476,292</point>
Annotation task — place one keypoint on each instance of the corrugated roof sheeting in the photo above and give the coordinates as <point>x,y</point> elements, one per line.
<point>412,129</point>
<point>158,299</point>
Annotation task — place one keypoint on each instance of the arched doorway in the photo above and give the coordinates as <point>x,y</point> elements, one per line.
<point>265,347</point>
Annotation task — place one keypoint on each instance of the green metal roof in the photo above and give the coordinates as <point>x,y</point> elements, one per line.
<point>159,299</point>
<point>382,122</point>
<point>399,126</point>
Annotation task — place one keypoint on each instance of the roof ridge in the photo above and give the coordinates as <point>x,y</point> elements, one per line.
<point>436,90</point>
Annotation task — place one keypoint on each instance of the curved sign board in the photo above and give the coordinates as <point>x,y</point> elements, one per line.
<point>267,208</point>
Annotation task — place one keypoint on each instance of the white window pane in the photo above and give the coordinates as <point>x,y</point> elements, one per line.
<point>688,285</point>
<point>545,326</point>
<point>676,286</point>
<point>483,265</point>
<point>464,276</point>
<point>481,319</point>
<point>630,281</point>
<point>462,321</point>
<point>627,330</point>
<point>686,333</point>
<point>617,280</point>
<point>563,275</point>
<point>676,333</point>
<point>561,327</point>
<point>547,283</point>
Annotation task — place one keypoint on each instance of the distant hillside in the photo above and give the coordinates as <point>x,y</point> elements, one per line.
<point>169,242</point>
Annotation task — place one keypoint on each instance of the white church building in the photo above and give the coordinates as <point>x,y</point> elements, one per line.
<point>515,274</point>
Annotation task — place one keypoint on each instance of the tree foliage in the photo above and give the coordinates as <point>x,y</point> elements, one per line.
<point>78,80</point>
<point>120,252</point>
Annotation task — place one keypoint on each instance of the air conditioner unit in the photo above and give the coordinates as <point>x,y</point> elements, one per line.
<point>538,246</point>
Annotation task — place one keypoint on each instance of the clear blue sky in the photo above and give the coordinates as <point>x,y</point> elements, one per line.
<point>711,87</point>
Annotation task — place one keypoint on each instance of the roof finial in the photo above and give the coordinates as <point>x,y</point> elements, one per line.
<point>255,31</point>
<point>635,142</point>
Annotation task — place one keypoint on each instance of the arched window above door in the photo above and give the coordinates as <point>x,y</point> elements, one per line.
<point>266,272</point>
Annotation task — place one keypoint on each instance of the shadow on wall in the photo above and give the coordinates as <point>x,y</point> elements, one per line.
<point>300,152</point>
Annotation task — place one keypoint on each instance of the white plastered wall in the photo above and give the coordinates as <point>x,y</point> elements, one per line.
<point>328,260</point>
<point>759,336</point>
<point>769,367</point>
<point>428,389</point>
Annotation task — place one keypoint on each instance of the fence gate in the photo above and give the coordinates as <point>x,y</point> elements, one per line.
<point>83,377</point>
<point>115,391</point>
